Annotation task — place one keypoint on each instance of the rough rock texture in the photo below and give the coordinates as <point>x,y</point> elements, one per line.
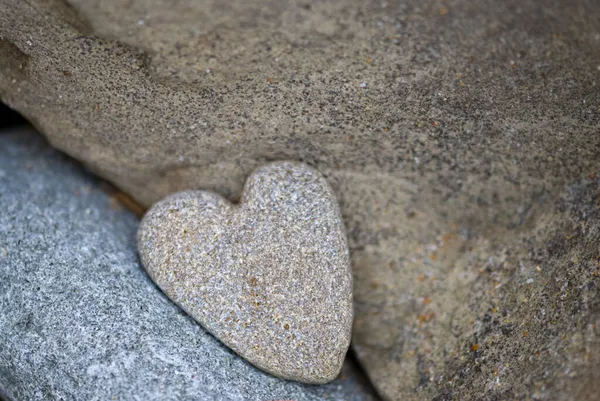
<point>269,277</point>
<point>448,130</point>
<point>79,317</point>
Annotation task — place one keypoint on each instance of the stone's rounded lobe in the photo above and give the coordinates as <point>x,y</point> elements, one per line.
<point>269,277</point>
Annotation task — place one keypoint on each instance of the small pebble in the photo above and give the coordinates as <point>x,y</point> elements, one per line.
<point>269,277</point>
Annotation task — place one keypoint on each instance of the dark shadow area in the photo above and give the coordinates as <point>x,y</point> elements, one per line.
<point>10,118</point>
<point>364,379</point>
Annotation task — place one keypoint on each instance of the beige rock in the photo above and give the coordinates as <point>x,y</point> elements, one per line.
<point>448,130</point>
<point>269,277</point>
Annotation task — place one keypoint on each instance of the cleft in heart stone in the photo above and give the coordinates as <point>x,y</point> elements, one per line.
<point>269,277</point>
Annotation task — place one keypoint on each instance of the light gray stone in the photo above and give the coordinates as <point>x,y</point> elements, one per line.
<point>270,277</point>
<point>79,317</point>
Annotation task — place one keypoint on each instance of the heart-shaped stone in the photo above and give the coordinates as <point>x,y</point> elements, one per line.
<point>269,277</point>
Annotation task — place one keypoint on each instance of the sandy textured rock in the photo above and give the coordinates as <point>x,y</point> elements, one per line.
<point>79,317</point>
<point>442,126</point>
<point>269,277</point>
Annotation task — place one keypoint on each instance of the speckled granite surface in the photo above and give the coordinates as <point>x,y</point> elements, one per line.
<point>270,277</point>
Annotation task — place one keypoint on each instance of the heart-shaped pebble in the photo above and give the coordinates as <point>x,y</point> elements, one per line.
<point>269,277</point>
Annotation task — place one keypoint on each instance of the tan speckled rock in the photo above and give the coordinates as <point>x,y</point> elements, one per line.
<point>270,278</point>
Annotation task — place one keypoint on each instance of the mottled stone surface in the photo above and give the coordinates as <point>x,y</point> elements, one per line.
<point>269,277</point>
<point>442,126</point>
<point>513,315</point>
<point>79,317</point>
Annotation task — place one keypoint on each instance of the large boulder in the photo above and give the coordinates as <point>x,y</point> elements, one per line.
<point>79,317</point>
<point>450,131</point>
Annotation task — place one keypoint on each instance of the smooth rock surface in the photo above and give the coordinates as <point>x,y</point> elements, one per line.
<point>442,126</point>
<point>269,277</point>
<point>79,317</point>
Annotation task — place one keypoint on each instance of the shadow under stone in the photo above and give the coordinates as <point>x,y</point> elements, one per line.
<point>10,118</point>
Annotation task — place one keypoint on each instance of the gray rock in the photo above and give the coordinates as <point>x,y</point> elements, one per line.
<point>269,277</point>
<point>81,320</point>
